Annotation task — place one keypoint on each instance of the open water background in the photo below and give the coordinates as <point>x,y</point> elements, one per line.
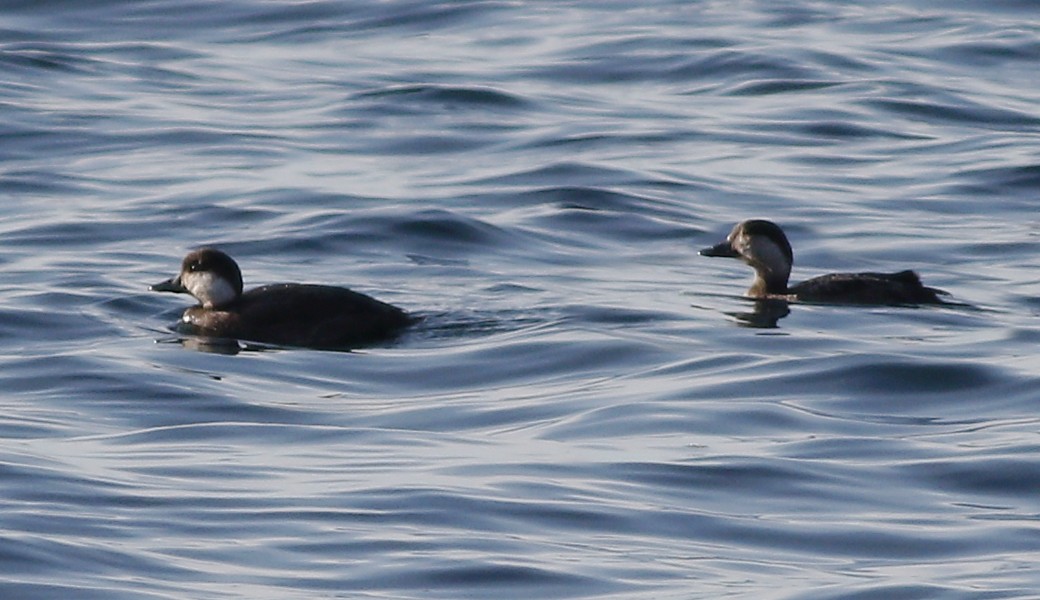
<point>584,412</point>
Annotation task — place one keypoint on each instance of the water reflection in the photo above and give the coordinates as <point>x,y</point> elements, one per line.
<point>215,345</point>
<point>211,345</point>
<point>765,314</point>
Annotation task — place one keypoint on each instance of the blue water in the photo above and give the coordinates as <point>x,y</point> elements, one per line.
<point>589,408</point>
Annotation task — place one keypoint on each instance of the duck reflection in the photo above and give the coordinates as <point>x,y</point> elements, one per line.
<point>212,345</point>
<point>766,313</point>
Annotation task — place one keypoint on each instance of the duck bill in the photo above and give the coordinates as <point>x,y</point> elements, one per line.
<point>724,250</point>
<point>170,285</point>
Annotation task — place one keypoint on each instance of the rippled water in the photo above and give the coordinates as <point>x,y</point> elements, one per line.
<point>586,410</point>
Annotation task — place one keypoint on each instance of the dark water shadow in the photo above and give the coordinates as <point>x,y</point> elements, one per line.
<point>428,327</point>
<point>767,313</point>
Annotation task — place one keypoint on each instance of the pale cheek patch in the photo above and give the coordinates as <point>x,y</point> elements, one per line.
<point>740,244</point>
<point>210,290</point>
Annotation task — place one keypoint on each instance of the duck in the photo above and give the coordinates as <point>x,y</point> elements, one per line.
<point>763,245</point>
<point>282,314</point>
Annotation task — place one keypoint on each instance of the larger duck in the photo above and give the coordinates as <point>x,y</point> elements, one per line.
<point>288,314</point>
<point>763,245</point>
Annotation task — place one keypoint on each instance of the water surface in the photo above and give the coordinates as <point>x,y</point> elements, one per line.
<point>588,409</point>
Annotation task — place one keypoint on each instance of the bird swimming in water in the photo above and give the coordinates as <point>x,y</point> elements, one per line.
<point>289,314</point>
<point>763,245</point>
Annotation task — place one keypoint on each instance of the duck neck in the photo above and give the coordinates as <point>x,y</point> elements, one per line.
<point>768,283</point>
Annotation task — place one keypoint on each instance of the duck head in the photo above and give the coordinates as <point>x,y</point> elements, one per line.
<point>209,275</point>
<point>762,245</point>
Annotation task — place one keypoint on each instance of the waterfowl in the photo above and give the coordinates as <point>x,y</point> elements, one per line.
<point>763,245</point>
<point>289,314</point>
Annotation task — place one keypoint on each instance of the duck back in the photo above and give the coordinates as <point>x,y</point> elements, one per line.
<point>317,316</point>
<point>904,287</point>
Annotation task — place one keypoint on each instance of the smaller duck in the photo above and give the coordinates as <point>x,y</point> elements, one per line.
<point>285,314</point>
<point>763,245</point>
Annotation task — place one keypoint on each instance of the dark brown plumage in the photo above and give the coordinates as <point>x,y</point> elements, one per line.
<point>289,314</point>
<point>763,245</point>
